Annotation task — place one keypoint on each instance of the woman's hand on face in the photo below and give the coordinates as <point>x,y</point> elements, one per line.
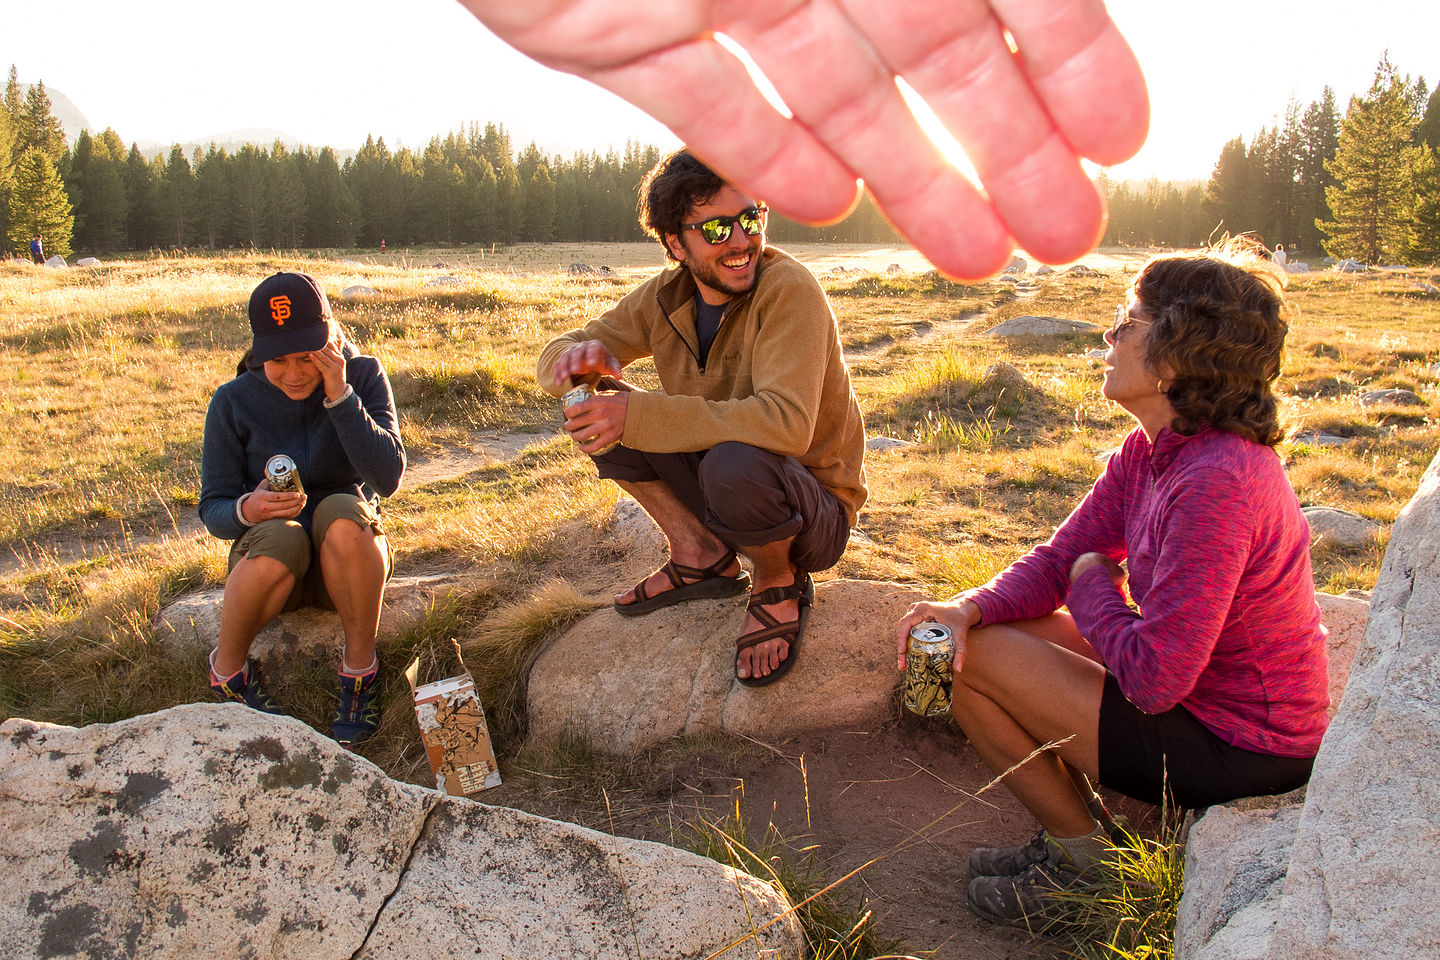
<point>331,364</point>
<point>958,615</point>
<point>266,504</point>
<point>1087,560</point>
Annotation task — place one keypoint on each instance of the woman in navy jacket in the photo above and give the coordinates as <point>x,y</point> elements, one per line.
<point>303,391</point>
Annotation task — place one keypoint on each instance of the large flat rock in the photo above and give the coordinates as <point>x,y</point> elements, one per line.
<point>216,831</point>
<point>624,684</point>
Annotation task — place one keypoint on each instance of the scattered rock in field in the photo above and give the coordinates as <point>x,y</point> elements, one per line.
<point>886,444</point>
<point>1097,354</point>
<point>1005,376</point>
<point>860,536</point>
<point>193,621</point>
<point>607,272</point>
<point>351,263</point>
<point>217,830</point>
<point>1007,278</point>
<point>631,525</point>
<point>1080,270</point>
<point>1017,265</point>
<point>1339,526</point>
<point>1392,396</point>
<point>1041,326</point>
<point>1314,438</point>
<point>359,290</point>
<point>894,268</point>
<point>578,269</point>
<point>1044,270</point>
<point>1297,266</point>
<point>440,265</point>
<point>1428,289</point>
<point>56,262</point>
<point>444,282</point>
<point>87,262</point>
<point>1349,266</point>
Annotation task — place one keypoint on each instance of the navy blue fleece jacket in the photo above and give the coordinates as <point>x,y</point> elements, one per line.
<point>353,447</point>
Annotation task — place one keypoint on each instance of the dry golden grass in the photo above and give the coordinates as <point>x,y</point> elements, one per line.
<point>107,373</point>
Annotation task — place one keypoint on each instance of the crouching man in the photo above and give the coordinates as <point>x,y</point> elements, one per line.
<point>754,443</point>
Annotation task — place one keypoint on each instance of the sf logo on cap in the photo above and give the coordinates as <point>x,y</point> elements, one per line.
<point>280,309</point>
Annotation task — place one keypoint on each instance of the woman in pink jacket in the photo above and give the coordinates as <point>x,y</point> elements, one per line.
<point>1209,681</point>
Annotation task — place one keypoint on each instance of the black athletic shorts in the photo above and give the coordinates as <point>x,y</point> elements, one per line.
<point>1144,756</point>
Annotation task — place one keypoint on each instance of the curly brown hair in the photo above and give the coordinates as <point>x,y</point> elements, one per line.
<point>1217,321</point>
<point>674,185</point>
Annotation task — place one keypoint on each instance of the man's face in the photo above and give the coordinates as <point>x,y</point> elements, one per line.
<point>723,270</point>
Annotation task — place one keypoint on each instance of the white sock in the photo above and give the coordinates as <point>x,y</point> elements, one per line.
<point>1087,849</point>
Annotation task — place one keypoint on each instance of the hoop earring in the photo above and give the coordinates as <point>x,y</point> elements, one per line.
<point>1160,386</point>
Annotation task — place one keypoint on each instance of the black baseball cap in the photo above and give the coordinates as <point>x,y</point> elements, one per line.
<point>288,314</point>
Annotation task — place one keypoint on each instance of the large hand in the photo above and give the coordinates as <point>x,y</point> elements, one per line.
<point>1074,89</point>
<point>581,360</point>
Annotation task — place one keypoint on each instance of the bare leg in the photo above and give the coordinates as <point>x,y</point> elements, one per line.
<point>772,569</point>
<point>691,542</point>
<point>255,593</point>
<point>352,560</point>
<point>1018,691</point>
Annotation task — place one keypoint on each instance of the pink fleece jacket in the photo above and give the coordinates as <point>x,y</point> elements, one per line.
<point>1219,565</point>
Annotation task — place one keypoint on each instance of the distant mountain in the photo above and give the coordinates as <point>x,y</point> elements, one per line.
<point>229,141</point>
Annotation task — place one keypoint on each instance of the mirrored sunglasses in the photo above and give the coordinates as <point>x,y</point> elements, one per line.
<point>717,229</point>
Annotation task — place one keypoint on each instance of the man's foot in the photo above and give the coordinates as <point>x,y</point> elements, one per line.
<point>1033,899</point>
<point>244,687</point>
<point>675,583</point>
<point>775,621</point>
<point>358,715</point>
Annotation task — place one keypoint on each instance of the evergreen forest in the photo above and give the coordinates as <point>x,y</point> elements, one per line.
<point>1364,184</point>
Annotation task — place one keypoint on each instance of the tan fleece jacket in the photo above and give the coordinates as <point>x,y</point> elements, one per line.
<point>775,376</point>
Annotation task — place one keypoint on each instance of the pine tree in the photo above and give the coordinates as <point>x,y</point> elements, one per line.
<point>212,197</point>
<point>540,206</point>
<point>38,206</point>
<point>177,196</point>
<point>1427,132</point>
<point>1373,163</point>
<point>1319,136</point>
<point>1226,195</point>
<point>286,198</point>
<point>1425,245</point>
<point>36,128</point>
<point>142,219</point>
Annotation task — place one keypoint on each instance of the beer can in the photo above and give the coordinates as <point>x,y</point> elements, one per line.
<point>280,472</point>
<point>579,395</point>
<point>929,661</point>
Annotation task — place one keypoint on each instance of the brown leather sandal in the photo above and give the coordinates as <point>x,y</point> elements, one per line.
<point>802,590</point>
<point>687,583</point>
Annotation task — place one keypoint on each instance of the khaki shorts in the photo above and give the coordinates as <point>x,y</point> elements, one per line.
<point>287,541</point>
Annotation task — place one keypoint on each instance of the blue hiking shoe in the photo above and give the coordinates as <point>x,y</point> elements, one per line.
<point>244,687</point>
<point>358,715</point>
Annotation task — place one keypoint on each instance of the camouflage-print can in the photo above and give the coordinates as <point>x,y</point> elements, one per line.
<point>579,395</point>
<point>281,473</point>
<point>928,664</point>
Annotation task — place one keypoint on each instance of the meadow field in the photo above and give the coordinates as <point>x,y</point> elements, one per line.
<point>107,371</point>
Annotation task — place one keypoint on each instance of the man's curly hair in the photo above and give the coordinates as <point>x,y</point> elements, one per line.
<point>1217,321</point>
<point>674,185</point>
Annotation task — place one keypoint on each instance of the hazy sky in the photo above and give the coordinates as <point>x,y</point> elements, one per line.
<point>330,71</point>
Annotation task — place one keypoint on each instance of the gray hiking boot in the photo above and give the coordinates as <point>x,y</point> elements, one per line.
<point>1028,900</point>
<point>1013,861</point>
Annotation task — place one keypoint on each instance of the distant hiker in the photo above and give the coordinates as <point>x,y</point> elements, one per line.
<point>1279,256</point>
<point>382,246</point>
<point>754,443</point>
<point>1213,684</point>
<point>37,250</point>
<point>301,390</point>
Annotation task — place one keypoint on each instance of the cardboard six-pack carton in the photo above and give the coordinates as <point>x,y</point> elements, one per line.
<point>452,725</point>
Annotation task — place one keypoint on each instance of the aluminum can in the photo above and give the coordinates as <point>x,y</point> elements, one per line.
<point>281,473</point>
<point>579,395</point>
<point>929,660</point>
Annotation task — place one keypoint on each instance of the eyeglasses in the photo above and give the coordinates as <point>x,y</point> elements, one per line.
<point>716,230</point>
<point>1123,321</point>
